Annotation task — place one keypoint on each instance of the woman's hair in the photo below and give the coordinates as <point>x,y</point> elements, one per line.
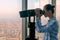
<point>50,7</point>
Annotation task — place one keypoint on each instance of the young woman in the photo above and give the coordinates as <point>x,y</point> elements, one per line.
<point>51,28</point>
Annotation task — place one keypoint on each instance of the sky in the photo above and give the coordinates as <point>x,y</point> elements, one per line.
<point>9,9</point>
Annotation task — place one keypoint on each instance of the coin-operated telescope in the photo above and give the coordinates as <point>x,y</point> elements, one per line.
<point>30,13</point>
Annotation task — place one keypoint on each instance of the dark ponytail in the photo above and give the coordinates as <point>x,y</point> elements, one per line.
<point>50,7</point>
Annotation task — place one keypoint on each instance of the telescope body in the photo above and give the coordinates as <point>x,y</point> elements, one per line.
<point>27,13</point>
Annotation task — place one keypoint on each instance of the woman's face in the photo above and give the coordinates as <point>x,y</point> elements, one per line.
<point>46,14</point>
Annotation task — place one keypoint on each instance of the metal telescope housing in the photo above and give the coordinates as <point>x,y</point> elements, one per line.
<point>27,13</point>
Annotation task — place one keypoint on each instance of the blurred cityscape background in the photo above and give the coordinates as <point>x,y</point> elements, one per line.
<point>11,23</point>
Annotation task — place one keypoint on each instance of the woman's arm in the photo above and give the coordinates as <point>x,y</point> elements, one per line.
<point>45,28</point>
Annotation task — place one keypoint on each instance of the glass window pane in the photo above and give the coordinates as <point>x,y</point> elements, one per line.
<point>9,9</point>
<point>58,11</point>
<point>32,5</point>
<point>58,14</point>
<point>37,3</point>
<point>10,21</point>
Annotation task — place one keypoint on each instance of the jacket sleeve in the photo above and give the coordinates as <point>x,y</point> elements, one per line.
<point>45,28</point>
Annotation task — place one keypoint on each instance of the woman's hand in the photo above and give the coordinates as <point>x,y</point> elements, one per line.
<point>37,12</point>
